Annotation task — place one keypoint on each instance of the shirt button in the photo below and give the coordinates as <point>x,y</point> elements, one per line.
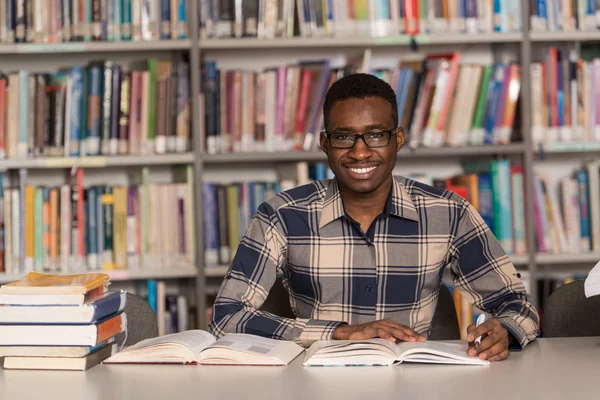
<point>368,288</point>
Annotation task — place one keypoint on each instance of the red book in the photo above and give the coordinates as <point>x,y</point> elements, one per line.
<point>305,84</point>
<point>411,16</point>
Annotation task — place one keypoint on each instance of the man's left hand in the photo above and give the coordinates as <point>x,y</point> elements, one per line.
<point>494,341</point>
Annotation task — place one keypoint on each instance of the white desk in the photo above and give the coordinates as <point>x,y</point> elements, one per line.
<point>546,369</point>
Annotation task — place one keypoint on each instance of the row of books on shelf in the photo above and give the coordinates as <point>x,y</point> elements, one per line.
<point>440,102</point>
<point>43,21</point>
<point>494,188</point>
<point>267,19</point>
<point>567,16</point>
<point>568,219</point>
<point>72,227</point>
<point>172,312</point>
<point>565,95</point>
<point>102,108</point>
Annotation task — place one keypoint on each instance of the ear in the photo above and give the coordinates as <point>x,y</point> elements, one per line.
<point>323,141</point>
<point>399,139</point>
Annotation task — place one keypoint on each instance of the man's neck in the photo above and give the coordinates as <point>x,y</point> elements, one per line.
<point>365,207</point>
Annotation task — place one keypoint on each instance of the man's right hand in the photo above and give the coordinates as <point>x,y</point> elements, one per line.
<point>384,329</point>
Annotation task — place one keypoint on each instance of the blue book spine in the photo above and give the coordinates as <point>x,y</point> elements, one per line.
<point>106,305</point>
<point>165,19</point>
<point>560,95</point>
<point>126,20</point>
<point>94,107</point>
<point>498,18</point>
<point>409,73</point>
<point>542,11</point>
<point>22,147</point>
<point>329,15</point>
<point>152,294</point>
<point>10,19</point>
<point>76,104</point>
<point>486,203</point>
<point>492,102</point>
<point>181,19</point>
<point>584,209</point>
<point>502,189</point>
<point>252,206</point>
<point>107,33</point>
<point>320,171</point>
<point>591,7</point>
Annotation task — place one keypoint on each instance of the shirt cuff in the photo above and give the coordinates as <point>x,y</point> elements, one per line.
<point>522,338</point>
<point>318,329</point>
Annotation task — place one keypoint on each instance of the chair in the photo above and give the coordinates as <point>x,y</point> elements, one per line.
<point>141,321</point>
<point>568,313</point>
<point>444,324</point>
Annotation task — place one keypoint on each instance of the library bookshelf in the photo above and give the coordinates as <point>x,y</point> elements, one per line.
<point>206,279</point>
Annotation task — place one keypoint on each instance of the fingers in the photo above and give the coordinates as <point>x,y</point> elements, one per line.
<point>495,351</point>
<point>403,332</point>
<point>483,329</point>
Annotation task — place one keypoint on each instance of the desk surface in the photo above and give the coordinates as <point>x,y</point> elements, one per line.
<point>546,369</point>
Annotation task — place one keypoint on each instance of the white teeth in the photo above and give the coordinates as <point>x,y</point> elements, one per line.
<point>362,170</point>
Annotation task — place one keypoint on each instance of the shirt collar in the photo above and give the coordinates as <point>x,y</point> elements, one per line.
<point>399,203</point>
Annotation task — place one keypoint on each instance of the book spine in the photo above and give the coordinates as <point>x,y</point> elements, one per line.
<point>108,262</point>
<point>104,117</point>
<point>115,106</point>
<point>94,114</point>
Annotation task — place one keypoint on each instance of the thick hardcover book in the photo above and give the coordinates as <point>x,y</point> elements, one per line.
<point>92,311</point>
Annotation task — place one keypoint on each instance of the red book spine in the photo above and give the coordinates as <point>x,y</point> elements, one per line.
<point>305,83</point>
<point>553,78</point>
<point>411,16</point>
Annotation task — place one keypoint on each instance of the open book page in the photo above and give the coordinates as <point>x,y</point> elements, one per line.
<point>351,352</point>
<point>437,352</point>
<point>177,347</point>
<point>250,350</point>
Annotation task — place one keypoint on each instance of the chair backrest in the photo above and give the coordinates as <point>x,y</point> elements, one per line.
<point>444,324</point>
<point>141,321</point>
<point>568,313</point>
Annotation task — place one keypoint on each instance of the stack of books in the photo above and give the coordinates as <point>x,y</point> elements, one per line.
<point>59,322</point>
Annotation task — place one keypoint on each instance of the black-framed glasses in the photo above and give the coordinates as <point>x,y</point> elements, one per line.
<point>374,139</point>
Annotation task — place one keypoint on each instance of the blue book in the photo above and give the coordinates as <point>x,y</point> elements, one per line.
<point>181,20</point>
<point>97,309</point>
<point>500,171</point>
<point>152,294</point>
<point>95,103</point>
<point>486,202</point>
<point>584,209</point>
<point>165,19</point>
<point>75,122</point>
<point>126,20</point>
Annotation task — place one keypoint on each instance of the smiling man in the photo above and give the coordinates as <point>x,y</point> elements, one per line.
<point>362,255</point>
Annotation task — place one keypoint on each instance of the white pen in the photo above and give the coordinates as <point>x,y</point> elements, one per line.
<point>480,320</point>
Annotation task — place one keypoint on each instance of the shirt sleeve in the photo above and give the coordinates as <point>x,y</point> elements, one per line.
<point>487,278</point>
<point>260,255</point>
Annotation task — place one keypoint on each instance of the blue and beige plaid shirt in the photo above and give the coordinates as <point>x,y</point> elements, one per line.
<point>337,273</point>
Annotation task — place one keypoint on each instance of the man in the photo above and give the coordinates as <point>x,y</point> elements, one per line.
<point>362,255</point>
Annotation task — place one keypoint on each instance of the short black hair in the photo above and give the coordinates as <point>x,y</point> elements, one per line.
<point>359,86</point>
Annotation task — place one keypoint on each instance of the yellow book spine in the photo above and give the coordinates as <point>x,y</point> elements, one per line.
<point>120,226</point>
<point>29,226</point>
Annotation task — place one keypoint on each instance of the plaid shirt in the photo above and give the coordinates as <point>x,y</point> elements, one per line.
<point>337,273</point>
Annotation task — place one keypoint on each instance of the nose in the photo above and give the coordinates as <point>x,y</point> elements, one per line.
<point>360,150</point>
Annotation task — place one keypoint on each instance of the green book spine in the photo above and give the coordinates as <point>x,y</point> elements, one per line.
<point>233,218</point>
<point>483,89</point>
<point>496,199</point>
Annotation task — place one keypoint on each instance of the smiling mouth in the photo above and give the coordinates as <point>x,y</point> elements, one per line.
<point>362,172</point>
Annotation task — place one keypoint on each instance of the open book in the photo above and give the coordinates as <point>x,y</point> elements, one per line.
<point>382,352</point>
<point>200,347</point>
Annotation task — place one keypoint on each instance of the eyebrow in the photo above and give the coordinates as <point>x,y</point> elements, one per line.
<point>352,129</point>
